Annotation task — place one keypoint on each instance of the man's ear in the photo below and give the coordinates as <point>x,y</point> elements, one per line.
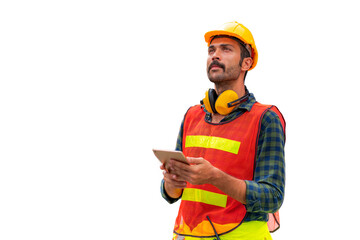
<point>247,63</point>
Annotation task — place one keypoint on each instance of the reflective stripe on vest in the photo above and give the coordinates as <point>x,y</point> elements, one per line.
<point>198,195</point>
<point>218,143</point>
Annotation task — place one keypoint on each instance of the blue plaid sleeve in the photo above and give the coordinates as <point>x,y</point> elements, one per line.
<point>265,193</point>
<point>180,137</point>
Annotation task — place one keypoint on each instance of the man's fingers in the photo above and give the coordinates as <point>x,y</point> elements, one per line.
<point>178,166</point>
<point>174,179</point>
<point>162,167</point>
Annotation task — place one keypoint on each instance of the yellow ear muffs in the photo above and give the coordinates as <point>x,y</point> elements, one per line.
<point>221,104</point>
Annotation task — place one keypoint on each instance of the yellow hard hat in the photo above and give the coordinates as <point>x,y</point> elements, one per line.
<point>239,31</point>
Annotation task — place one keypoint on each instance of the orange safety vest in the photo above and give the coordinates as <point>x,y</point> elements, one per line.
<point>229,146</point>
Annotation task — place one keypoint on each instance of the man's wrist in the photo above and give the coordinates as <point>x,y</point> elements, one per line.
<point>174,193</point>
<point>166,196</point>
<point>216,176</point>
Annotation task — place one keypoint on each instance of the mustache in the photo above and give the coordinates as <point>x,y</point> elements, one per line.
<point>215,62</point>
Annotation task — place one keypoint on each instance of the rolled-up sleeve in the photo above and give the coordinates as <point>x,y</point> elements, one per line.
<point>265,194</point>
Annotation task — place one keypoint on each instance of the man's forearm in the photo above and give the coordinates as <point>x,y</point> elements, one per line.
<point>234,187</point>
<point>237,189</point>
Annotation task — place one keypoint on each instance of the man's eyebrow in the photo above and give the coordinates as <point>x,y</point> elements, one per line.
<point>222,45</point>
<point>226,45</point>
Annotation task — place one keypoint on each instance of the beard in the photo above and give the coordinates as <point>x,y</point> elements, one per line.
<point>223,73</point>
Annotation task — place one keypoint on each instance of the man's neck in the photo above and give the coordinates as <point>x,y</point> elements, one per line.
<point>238,88</point>
<point>216,118</point>
<point>236,85</point>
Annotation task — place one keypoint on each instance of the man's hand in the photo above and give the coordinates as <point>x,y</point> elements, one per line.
<point>200,171</point>
<point>173,186</point>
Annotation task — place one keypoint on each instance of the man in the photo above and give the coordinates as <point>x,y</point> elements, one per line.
<point>235,147</point>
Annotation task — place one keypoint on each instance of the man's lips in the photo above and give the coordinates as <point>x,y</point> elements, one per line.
<point>215,66</point>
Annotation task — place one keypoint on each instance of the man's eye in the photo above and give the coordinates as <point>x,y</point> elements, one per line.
<point>211,50</point>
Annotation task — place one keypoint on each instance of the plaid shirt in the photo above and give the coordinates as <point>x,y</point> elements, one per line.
<point>265,194</point>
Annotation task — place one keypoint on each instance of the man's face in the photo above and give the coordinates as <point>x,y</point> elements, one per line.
<point>223,62</point>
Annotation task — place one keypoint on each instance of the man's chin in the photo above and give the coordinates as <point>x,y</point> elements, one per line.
<point>216,78</point>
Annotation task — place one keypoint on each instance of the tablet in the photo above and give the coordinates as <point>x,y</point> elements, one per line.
<point>166,155</point>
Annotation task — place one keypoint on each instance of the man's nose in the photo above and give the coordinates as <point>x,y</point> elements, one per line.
<point>216,55</point>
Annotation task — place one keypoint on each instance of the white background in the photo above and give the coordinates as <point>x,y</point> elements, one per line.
<point>88,88</point>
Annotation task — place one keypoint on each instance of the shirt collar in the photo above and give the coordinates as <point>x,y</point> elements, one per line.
<point>246,105</point>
